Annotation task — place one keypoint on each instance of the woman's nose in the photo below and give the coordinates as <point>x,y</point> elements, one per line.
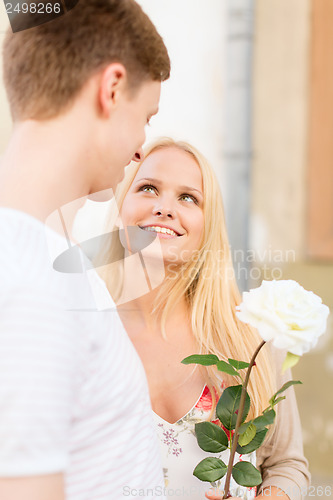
<point>138,155</point>
<point>163,211</point>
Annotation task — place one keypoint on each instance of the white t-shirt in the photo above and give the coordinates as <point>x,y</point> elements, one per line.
<point>73,392</point>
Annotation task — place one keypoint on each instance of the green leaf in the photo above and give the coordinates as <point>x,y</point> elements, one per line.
<point>287,385</point>
<point>239,365</point>
<point>254,444</point>
<point>276,401</point>
<point>223,366</point>
<point>245,474</point>
<point>290,361</point>
<point>210,469</point>
<point>228,404</point>
<point>283,388</point>
<point>201,359</point>
<point>248,435</point>
<point>267,418</point>
<point>211,437</point>
<point>243,427</point>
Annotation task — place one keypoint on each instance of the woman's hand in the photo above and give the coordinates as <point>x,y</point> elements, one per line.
<point>273,493</point>
<point>217,495</point>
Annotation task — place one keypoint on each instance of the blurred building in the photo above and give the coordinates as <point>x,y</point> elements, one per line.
<point>292,185</point>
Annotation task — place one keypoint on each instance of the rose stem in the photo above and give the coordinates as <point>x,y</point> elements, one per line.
<point>238,421</point>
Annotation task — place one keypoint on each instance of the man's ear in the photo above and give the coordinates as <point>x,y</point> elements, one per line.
<point>113,83</point>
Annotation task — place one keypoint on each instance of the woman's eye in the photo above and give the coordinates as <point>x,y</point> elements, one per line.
<point>148,189</point>
<point>187,197</point>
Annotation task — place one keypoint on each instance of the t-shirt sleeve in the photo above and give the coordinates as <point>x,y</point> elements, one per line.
<point>281,458</point>
<point>38,360</point>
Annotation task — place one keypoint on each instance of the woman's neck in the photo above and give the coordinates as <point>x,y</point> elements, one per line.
<point>143,278</point>
<point>140,312</point>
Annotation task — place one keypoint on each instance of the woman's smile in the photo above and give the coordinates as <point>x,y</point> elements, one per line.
<point>162,231</point>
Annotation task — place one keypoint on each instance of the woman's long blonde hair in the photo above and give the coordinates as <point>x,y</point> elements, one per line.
<point>208,283</point>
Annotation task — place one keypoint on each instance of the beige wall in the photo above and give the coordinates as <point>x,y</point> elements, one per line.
<point>282,33</point>
<point>279,200</point>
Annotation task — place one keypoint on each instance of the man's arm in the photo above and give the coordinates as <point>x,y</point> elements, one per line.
<point>50,487</point>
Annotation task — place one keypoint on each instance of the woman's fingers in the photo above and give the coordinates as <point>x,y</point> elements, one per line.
<point>213,495</point>
<point>217,495</point>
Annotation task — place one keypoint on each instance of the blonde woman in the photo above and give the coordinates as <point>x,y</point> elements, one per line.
<point>173,197</point>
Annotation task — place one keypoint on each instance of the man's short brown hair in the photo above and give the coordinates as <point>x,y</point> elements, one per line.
<point>45,67</point>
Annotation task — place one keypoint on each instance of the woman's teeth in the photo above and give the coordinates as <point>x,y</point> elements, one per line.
<point>163,230</point>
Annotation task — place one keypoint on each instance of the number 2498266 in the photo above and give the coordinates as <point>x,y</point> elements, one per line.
<point>33,8</point>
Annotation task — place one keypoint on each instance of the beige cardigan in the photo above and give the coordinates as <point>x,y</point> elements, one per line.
<point>280,459</point>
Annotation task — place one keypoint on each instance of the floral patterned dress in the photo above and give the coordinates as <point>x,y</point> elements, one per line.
<point>180,454</point>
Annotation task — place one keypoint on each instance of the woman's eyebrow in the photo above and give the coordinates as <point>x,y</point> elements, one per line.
<point>150,179</point>
<point>188,188</point>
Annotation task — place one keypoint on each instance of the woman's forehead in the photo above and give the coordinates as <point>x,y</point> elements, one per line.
<point>171,164</point>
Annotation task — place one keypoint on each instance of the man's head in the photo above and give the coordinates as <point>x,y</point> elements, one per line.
<point>100,66</point>
<point>46,67</point>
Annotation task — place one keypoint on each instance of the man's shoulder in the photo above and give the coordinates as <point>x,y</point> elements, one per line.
<point>28,253</point>
<point>24,252</point>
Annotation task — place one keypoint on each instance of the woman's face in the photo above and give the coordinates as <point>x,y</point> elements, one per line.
<point>166,198</point>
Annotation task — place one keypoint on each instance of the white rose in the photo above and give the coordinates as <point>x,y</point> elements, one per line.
<point>282,311</point>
